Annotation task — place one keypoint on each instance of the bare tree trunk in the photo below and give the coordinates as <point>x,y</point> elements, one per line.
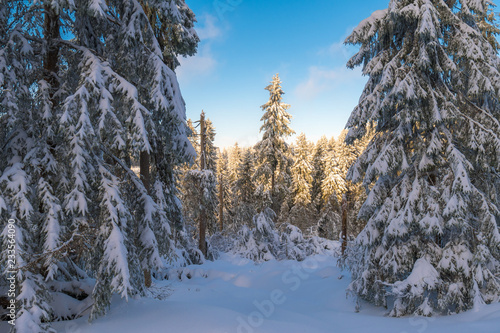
<point>51,34</point>
<point>50,75</point>
<point>144,164</point>
<point>202,245</point>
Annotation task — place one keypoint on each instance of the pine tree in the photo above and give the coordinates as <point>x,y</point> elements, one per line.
<point>329,221</point>
<point>318,172</point>
<point>335,187</point>
<point>432,238</point>
<point>273,151</point>
<point>172,23</point>
<point>262,242</point>
<point>487,23</point>
<point>337,190</point>
<point>301,171</point>
<point>334,183</point>
<point>234,160</point>
<point>193,136</point>
<point>210,148</point>
<point>72,113</point>
<point>224,192</point>
<point>243,191</point>
<point>200,199</point>
<point>302,213</point>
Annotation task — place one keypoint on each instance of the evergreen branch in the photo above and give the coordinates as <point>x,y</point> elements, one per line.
<point>468,101</point>
<point>479,125</point>
<point>133,177</point>
<point>58,252</point>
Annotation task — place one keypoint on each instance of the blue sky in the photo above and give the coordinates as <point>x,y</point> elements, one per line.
<point>245,42</point>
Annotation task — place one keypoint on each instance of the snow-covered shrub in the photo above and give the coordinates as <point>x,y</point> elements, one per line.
<point>264,242</point>
<point>293,244</point>
<point>261,243</point>
<point>245,245</point>
<point>218,243</point>
<point>319,245</point>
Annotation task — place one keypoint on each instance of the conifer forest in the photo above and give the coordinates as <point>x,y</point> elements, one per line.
<point>120,211</point>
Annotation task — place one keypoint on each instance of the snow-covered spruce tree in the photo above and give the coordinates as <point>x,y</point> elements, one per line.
<point>234,160</point>
<point>487,23</point>
<point>199,197</point>
<point>243,192</point>
<point>185,229</point>
<point>302,212</point>
<point>329,220</point>
<point>72,113</point>
<point>293,243</point>
<point>318,164</point>
<point>211,151</point>
<point>273,153</point>
<point>333,186</point>
<point>224,193</point>
<point>336,185</point>
<point>262,242</point>
<point>432,242</point>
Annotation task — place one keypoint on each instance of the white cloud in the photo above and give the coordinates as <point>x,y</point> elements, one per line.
<point>209,30</point>
<point>321,79</point>
<point>339,50</point>
<point>204,62</point>
<point>226,141</point>
<point>324,79</point>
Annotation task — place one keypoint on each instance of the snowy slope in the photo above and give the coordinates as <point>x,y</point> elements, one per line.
<point>225,296</point>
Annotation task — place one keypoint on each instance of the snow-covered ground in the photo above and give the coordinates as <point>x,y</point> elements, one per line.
<point>236,295</point>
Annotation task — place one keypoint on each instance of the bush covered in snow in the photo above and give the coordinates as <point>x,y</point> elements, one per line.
<point>263,242</point>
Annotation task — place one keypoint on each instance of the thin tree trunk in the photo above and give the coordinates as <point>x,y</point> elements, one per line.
<point>272,191</point>
<point>51,31</point>
<point>144,164</point>
<point>202,245</point>
<point>221,203</point>
<point>344,222</point>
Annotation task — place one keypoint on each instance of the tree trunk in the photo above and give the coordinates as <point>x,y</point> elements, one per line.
<point>202,245</point>
<point>51,34</point>
<point>144,164</point>
<point>221,203</point>
<point>273,204</point>
<point>344,222</point>
<point>50,73</point>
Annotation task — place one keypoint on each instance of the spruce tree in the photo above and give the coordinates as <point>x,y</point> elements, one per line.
<point>224,192</point>
<point>211,151</point>
<point>432,241</point>
<point>234,160</point>
<point>487,23</point>
<point>301,171</point>
<point>337,190</point>
<point>199,190</point>
<point>302,213</point>
<point>272,151</point>
<point>244,191</point>
<point>318,164</point>
<point>72,113</point>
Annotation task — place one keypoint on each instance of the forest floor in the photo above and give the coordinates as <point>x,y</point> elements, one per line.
<point>236,295</point>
